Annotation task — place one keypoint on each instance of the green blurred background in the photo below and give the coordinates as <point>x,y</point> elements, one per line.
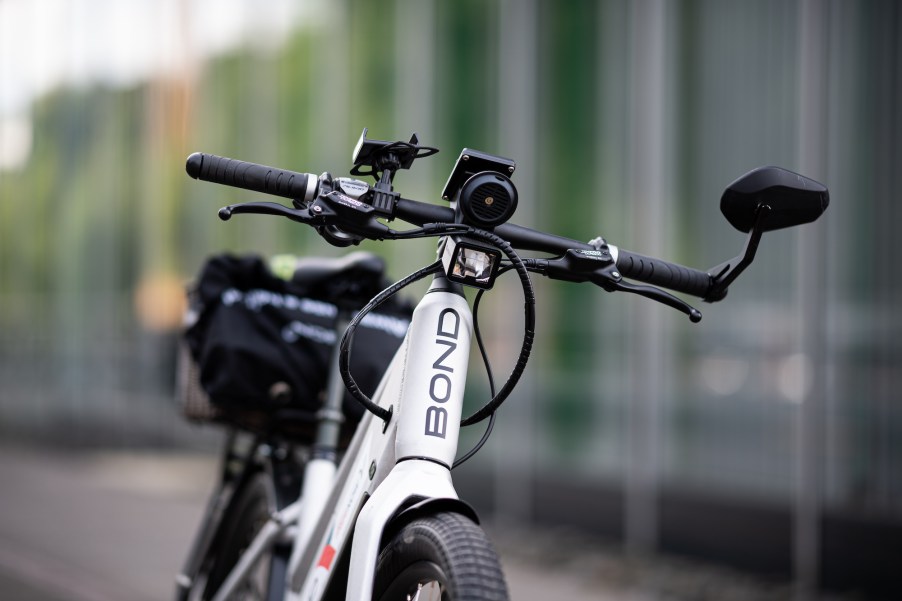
<point>769,436</point>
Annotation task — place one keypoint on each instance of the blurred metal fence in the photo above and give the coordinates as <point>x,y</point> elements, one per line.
<point>627,119</point>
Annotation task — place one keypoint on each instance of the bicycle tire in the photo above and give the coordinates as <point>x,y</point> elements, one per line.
<point>445,554</point>
<point>246,517</point>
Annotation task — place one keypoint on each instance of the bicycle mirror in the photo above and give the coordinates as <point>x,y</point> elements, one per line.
<point>793,199</point>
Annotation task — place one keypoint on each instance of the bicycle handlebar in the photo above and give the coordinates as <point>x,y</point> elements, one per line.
<point>302,188</point>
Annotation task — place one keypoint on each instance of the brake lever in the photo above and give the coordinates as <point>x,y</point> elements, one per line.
<point>266,208</point>
<point>597,266</point>
<point>610,279</point>
<point>333,208</point>
<point>663,297</point>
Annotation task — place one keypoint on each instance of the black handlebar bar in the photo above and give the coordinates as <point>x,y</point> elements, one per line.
<point>631,265</point>
<point>521,237</point>
<point>303,186</point>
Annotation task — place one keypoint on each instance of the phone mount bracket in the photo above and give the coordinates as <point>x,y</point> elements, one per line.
<point>381,160</point>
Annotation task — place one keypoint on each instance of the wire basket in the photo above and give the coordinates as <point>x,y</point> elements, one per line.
<point>194,402</point>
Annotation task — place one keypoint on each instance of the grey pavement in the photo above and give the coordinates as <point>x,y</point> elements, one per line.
<point>112,526</point>
<point>97,527</point>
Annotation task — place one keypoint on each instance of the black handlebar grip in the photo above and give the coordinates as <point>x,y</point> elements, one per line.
<point>661,273</point>
<point>251,176</point>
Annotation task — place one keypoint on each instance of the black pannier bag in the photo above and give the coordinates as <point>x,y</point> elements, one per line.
<point>262,344</point>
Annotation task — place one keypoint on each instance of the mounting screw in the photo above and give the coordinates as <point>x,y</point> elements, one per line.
<point>616,274</point>
<point>489,200</point>
<point>511,169</point>
<point>466,157</point>
<point>317,209</point>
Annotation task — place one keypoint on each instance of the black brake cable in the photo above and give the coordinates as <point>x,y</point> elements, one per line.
<point>489,375</point>
<point>434,230</point>
<point>488,368</point>
<point>344,355</point>
<point>529,317</point>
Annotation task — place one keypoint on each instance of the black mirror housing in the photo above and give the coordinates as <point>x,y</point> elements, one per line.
<point>793,199</point>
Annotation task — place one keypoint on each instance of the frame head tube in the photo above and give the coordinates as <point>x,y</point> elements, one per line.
<point>435,373</point>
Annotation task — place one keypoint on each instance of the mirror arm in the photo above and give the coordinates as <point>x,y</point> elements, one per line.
<point>724,274</point>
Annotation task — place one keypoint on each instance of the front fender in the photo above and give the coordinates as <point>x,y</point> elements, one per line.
<point>427,484</point>
<point>417,507</point>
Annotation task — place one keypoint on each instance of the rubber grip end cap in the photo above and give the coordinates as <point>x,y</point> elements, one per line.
<point>194,163</point>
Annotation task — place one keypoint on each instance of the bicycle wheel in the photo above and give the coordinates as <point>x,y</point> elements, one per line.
<point>250,512</point>
<point>442,557</point>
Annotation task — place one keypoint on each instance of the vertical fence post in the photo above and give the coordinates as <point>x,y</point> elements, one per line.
<point>415,55</point>
<point>648,188</point>
<point>813,74</point>
<point>517,123</point>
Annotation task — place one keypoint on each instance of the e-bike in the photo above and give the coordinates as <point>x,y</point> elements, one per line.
<point>378,517</point>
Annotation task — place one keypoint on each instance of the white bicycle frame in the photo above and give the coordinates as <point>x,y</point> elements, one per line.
<point>386,468</point>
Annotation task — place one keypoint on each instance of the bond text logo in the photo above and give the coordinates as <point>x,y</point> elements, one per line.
<point>440,384</point>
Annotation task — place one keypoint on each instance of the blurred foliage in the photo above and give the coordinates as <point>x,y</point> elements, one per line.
<point>103,221</point>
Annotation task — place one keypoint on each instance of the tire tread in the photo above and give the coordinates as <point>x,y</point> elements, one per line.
<point>458,546</point>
